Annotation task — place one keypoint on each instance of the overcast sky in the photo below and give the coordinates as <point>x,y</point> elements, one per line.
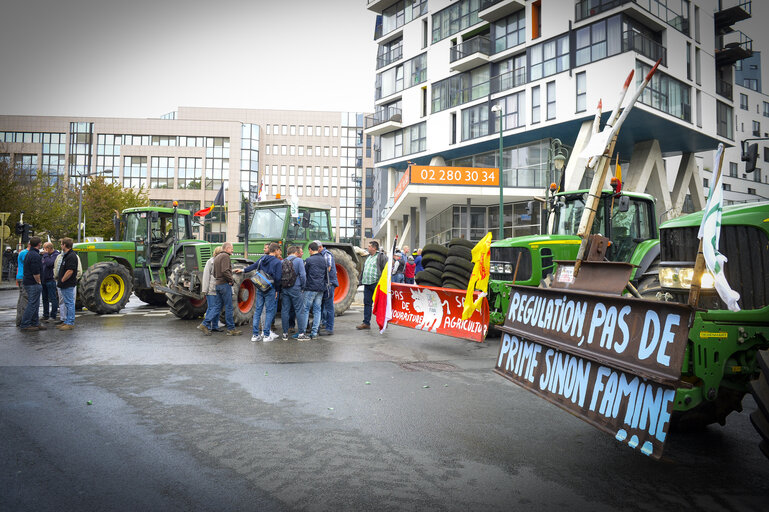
<point>143,58</point>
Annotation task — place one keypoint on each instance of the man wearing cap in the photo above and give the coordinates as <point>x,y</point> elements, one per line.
<point>327,307</point>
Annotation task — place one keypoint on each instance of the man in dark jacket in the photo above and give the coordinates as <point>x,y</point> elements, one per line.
<point>224,282</point>
<point>292,299</point>
<point>327,306</point>
<point>33,283</point>
<point>317,282</point>
<point>66,280</point>
<point>50,295</point>
<point>267,300</point>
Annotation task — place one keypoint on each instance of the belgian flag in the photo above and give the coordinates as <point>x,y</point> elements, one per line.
<point>218,201</point>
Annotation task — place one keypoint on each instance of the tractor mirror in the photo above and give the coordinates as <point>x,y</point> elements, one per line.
<point>750,157</point>
<point>624,203</point>
<point>306,219</point>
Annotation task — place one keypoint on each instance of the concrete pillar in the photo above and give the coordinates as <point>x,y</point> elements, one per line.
<point>575,169</point>
<point>414,229</point>
<point>406,231</point>
<point>687,180</point>
<point>437,161</point>
<point>467,227</point>
<point>422,221</point>
<point>646,173</point>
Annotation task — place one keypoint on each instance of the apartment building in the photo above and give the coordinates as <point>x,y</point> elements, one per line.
<point>322,158</point>
<point>457,79</point>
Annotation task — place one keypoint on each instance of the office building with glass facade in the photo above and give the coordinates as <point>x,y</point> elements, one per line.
<point>322,158</point>
<point>454,79</point>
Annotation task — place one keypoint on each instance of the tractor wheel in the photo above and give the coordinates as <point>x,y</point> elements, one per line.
<point>244,297</point>
<point>183,307</point>
<point>347,276</point>
<point>760,390</point>
<point>441,250</point>
<point>649,285</point>
<point>149,296</point>
<point>105,287</point>
<point>460,251</point>
<point>461,242</point>
<point>708,412</point>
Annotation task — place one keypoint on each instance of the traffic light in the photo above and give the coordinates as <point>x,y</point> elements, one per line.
<point>19,228</point>
<point>25,230</point>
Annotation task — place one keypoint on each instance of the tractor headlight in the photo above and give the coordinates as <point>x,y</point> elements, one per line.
<point>509,268</point>
<point>668,277</point>
<point>681,277</point>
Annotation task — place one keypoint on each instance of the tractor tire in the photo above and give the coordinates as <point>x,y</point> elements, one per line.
<point>759,388</point>
<point>467,265</point>
<point>461,252</point>
<point>649,285</point>
<point>433,257</point>
<point>459,271</point>
<point>434,264</point>
<point>435,272</point>
<point>451,276</point>
<point>454,242</point>
<point>243,298</point>
<point>149,296</point>
<point>425,278</point>
<point>453,285</point>
<point>183,307</point>
<point>106,287</point>
<point>347,276</point>
<point>708,412</point>
<point>435,249</point>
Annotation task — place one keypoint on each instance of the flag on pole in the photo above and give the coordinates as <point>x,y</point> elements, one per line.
<point>479,279</point>
<point>710,233</point>
<point>218,201</point>
<point>382,307</point>
<point>260,195</point>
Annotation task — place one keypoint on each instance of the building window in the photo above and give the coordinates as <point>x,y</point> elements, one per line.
<point>292,130</point>
<point>455,18</point>
<point>743,101</point>
<point>458,89</point>
<point>705,182</point>
<point>509,32</point>
<point>550,100</point>
<point>410,73</point>
<point>756,129</point>
<point>751,191</point>
<point>665,93</point>
<point>750,83</point>
<point>134,171</point>
<point>733,169</point>
<point>548,58</point>
<point>162,172</point>
<point>190,173</point>
<point>475,122</point>
<point>766,154</point>
<point>513,112</point>
<point>599,40</point>
<point>724,120</point>
<point>581,92</point>
<point>399,14</point>
<point>727,187</point>
<point>535,105</point>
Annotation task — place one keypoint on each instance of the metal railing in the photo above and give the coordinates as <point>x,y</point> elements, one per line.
<point>635,41</point>
<point>724,88</point>
<point>485,4</point>
<point>383,116</point>
<point>507,80</point>
<point>395,53</point>
<point>586,8</point>
<point>478,44</point>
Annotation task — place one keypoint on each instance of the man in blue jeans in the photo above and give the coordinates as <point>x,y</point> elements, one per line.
<point>267,300</point>
<point>224,282</point>
<point>327,306</point>
<point>66,280</point>
<point>292,298</point>
<point>372,269</point>
<point>33,283</point>
<point>50,295</point>
<point>317,283</point>
<point>21,303</point>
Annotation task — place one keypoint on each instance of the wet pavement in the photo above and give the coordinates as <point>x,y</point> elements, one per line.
<point>356,421</point>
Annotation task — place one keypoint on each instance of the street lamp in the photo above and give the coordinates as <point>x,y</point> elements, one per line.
<point>558,155</point>
<point>498,110</point>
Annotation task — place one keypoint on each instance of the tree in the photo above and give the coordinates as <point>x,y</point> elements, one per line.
<point>101,199</point>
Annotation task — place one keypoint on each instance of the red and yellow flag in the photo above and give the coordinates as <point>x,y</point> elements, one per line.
<point>218,201</point>
<point>479,279</point>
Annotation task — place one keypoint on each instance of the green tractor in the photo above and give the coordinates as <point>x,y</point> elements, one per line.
<point>628,219</point>
<point>286,224</point>
<point>154,257</point>
<point>727,351</point>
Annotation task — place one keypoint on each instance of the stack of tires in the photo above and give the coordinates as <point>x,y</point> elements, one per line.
<point>433,260</point>
<point>458,265</point>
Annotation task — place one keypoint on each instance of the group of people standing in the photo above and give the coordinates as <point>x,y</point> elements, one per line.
<point>51,276</point>
<point>301,286</point>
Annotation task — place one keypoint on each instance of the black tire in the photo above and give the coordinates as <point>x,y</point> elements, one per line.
<point>649,285</point>
<point>454,242</point>
<point>181,306</point>
<point>243,297</point>
<point>433,257</point>
<point>454,277</point>
<point>149,296</point>
<point>461,251</point>
<point>426,278</point>
<point>708,412</point>
<point>105,287</point>
<point>464,274</point>
<point>454,285</point>
<point>435,249</point>
<point>460,262</point>
<point>759,388</point>
<point>435,272</point>
<point>347,275</point>
<point>434,264</point>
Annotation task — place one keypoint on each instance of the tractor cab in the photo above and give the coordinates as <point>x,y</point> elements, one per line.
<point>153,231</point>
<point>626,220</point>
<point>273,221</point>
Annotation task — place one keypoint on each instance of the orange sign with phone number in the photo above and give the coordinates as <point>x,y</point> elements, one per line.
<point>435,175</point>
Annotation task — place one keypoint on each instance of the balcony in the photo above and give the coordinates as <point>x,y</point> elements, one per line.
<point>637,42</point>
<point>394,54</point>
<point>379,5</point>
<point>728,16</point>
<point>493,10</point>
<point>470,54</point>
<point>587,8</point>
<point>736,46</point>
<point>724,89</point>
<point>384,121</point>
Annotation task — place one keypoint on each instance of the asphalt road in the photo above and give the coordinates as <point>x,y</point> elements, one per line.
<point>356,421</point>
